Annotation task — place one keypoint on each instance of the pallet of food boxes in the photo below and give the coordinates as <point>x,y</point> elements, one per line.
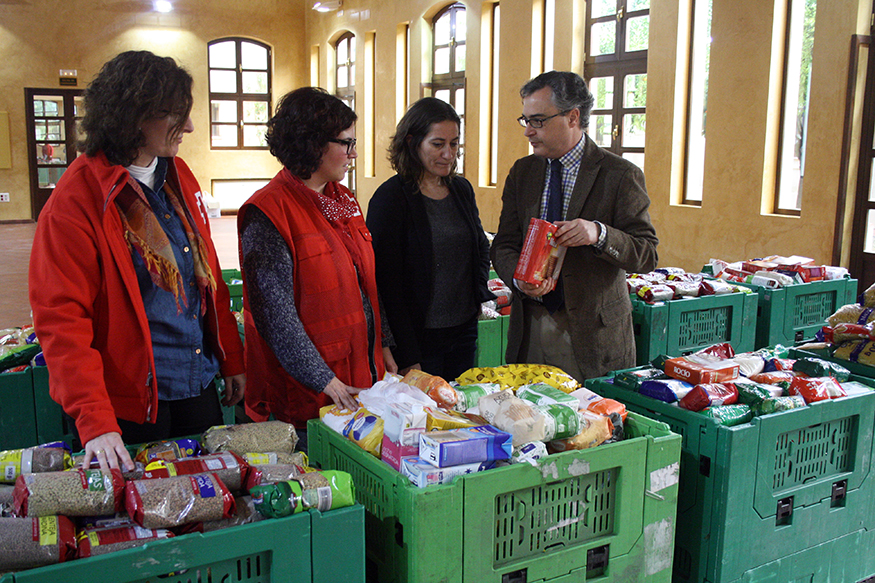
<point>498,478</point>
<point>795,294</point>
<point>235,504</point>
<point>675,312</point>
<point>776,467</point>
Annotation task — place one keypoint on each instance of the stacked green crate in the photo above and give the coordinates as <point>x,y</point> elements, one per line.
<point>685,325</point>
<point>234,279</point>
<point>786,497</point>
<point>311,547</point>
<point>17,415</point>
<point>795,313</point>
<point>605,513</point>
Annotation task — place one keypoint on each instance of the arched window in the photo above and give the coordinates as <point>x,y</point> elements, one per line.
<point>448,71</point>
<point>240,93</point>
<point>344,83</point>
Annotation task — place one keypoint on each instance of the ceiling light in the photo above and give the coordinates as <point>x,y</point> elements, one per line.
<point>327,5</point>
<point>163,6</point>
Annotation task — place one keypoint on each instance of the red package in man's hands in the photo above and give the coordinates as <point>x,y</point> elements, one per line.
<point>541,257</point>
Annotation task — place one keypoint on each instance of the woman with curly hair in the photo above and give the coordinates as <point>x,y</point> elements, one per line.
<point>312,320</point>
<point>125,286</point>
<point>432,254</point>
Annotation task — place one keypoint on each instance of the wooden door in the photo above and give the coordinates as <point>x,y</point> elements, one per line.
<point>52,116</point>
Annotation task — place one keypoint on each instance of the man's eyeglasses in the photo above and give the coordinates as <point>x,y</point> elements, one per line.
<point>537,122</point>
<point>348,142</point>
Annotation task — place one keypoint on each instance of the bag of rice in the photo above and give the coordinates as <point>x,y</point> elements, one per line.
<point>228,466</point>
<point>32,460</point>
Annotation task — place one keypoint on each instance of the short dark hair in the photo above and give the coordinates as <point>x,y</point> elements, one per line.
<point>569,92</point>
<point>411,131</point>
<point>131,88</point>
<point>304,121</point>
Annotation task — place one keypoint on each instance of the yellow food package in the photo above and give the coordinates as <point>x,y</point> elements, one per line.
<point>335,417</point>
<point>366,430</point>
<point>852,314</point>
<point>595,430</point>
<point>862,351</point>
<point>441,419</point>
<point>513,376</point>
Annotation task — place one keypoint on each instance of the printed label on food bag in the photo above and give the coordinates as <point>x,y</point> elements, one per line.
<point>203,486</point>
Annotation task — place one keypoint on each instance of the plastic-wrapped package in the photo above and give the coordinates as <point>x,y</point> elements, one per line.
<point>71,493</point>
<point>560,422</point>
<point>323,491</point>
<point>707,395</point>
<point>816,388</point>
<point>32,460</point>
<point>667,390</point>
<point>852,314</point>
<point>469,395</point>
<point>251,437</point>
<point>817,367</point>
<point>632,379</point>
<point>777,404</point>
<point>656,293</point>
<point>228,466</point>
<point>729,415</point>
<point>434,386</point>
<point>517,375</point>
<point>544,394</point>
<point>594,430</point>
<point>26,543</point>
<point>365,430</point>
<point>102,540</point>
<point>171,502</point>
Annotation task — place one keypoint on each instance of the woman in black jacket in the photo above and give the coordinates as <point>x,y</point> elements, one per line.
<point>431,252</point>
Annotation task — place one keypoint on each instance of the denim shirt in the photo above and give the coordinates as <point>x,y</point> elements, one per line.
<point>184,363</point>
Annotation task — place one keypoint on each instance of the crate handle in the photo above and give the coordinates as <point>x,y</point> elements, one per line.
<point>597,560</point>
<point>784,511</point>
<point>515,577</point>
<point>839,492</point>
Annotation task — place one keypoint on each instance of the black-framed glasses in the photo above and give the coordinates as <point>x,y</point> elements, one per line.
<point>537,122</point>
<point>348,142</point>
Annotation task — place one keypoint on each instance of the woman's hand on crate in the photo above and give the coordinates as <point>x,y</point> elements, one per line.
<point>109,450</point>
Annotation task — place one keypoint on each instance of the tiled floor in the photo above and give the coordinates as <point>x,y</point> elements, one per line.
<point>15,256</point>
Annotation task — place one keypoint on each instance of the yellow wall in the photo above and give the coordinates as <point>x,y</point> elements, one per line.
<point>731,222</point>
<point>39,38</point>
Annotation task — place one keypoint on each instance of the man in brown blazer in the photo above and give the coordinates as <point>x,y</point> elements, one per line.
<point>580,322</point>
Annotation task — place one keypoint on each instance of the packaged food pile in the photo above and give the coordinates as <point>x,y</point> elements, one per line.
<point>733,388</point>
<point>58,510</point>
<point>775,271</point>
<point>18,347</point>
<point>673,283</point>
<point>849,333</point>
<point>432,430</point>
<point>500,306</point>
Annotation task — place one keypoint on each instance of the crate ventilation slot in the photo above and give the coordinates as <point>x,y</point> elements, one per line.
<point>551,517</point>
<point>703,327</point>
<point>815,452</point>
<point>370,491</point>
<point>813,308</point>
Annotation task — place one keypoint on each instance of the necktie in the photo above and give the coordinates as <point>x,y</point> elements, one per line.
<point>554,194</point>
<point>554,300</point>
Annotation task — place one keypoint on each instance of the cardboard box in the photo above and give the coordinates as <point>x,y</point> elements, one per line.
<point>422,473</point>
<point>540,257</point>
<point>392,452</point>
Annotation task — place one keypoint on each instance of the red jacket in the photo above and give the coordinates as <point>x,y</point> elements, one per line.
<point>327,299</point>
<point>87,309</point>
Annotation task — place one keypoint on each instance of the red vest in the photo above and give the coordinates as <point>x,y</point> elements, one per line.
<point>327,299</point>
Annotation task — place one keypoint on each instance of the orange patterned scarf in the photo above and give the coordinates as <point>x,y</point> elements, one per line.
<point>144,234</point>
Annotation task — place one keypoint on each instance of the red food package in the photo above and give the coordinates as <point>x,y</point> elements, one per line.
<point>755,265</point>
<point>723,350</point>
<point>816,388</point>
<point>779,364</point>
<point>780,378</point>
<point>683,289</point>
<point>171,502</point>
<point>503,294</point>
<point>710,287</point>
<point>698,373</point>
<point>635,284</point>
<point>709,394</point>
<point>99,541</point>
<point>87,493</point>
<point>845,331</point>
<point>229,466</point>
<point>656,293</point>
<point>541,257</point>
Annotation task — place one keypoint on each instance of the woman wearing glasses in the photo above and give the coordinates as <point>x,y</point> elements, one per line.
<point>432,254</point>
<point>312,321</point>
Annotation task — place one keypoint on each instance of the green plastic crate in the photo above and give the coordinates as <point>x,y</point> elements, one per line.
<point>311,547</point>
<point>235,289</point>
<point>755,495</point>
<point>685,325</point>
<point>606,513</point>
<point>794,313</point>
<point>488,343</point>
<point>17,415</point>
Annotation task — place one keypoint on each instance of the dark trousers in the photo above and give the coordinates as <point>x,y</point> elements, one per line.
<point>175,419</point>
<point>448,352</point>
